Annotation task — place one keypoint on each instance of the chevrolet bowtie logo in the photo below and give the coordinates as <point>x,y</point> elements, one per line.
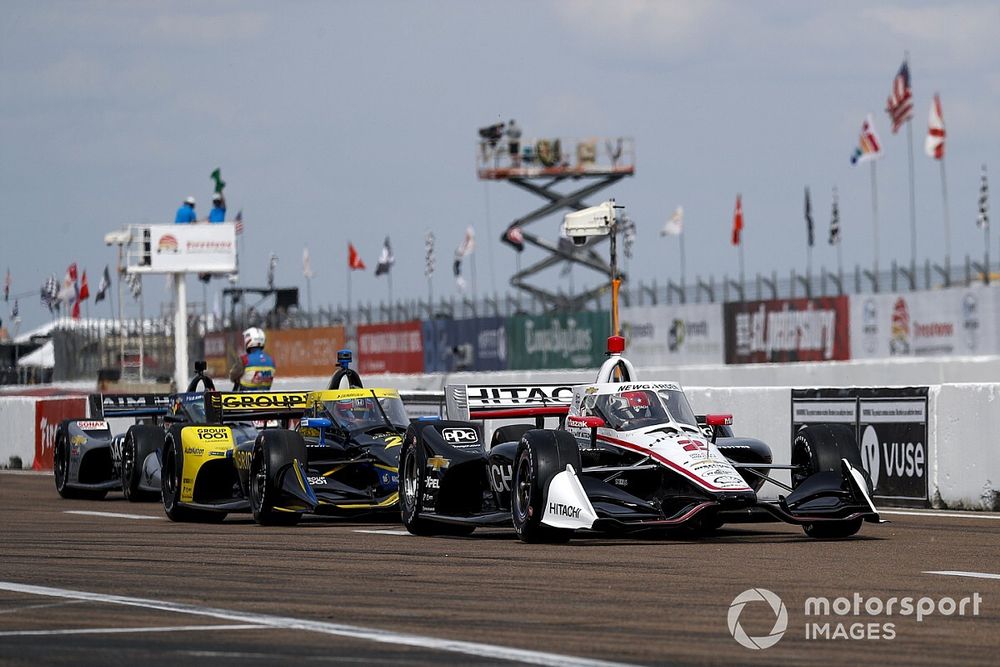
<point>437,462</point>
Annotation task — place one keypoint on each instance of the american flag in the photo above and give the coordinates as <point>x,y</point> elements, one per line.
<point>983,221</point>
<point>239,222</point>
<point>900,107</point>
<point>835,221</point>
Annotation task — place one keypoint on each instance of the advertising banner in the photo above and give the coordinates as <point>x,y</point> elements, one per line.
<point>208,248</point>
<point>673,335</point>
<point>391,348</point>
<point>305,352</point>
<point>478,344</point>
<point>956,321</point>
<point>49,412</point>
<point>577,340</point>
<point>890,425</point>
<point>787,330</point>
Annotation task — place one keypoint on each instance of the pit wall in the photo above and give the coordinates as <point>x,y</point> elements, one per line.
<point>962,448</point>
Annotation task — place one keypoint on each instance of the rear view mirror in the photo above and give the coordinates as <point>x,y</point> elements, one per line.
<point>316,422</point>
<point>585,422</point>
<point>719,420</point>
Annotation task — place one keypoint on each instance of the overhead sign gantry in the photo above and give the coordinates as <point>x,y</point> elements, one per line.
<point>177,250</point>
<point>538,166</point>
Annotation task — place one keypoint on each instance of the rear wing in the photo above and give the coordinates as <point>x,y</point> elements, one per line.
<point>103,406</point>
<point>507,401</point>
<point>254,405</point>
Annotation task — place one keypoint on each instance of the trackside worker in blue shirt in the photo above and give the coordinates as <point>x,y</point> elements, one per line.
<point>218,212</point>
<point>185,214</point>
<point>253,371</point>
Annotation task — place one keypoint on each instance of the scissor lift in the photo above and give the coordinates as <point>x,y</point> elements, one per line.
<point>591,164</point>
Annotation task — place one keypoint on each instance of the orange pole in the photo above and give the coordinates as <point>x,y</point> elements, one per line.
<point>615,284</point>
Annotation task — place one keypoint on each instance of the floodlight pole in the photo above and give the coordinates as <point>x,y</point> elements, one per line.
<point>180,331</point>
<point>615,280</point>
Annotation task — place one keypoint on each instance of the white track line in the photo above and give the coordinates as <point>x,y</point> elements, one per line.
<point>404,533</point>
<point>40,606</point>
<point>114,515</point>
<point>337,629</point>
<point>949,515</point>
<point>959,573</point>
<point>112,631</point>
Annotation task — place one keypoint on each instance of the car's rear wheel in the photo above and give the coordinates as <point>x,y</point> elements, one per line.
<point>60,470</point>
<point>140,442</point>
<point>412,484</point>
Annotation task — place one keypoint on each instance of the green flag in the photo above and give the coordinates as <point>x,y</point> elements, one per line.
<point>217,177</point>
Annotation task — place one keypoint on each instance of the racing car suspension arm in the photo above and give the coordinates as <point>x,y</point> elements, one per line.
<point>763,475</point>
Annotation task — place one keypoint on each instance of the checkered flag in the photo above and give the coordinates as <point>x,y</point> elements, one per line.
<point>983,221</point>
<point>628,236</point>
<point>134,281</point>
<point>429,256</point>
<point>50,293</point>
<point>835,221</point>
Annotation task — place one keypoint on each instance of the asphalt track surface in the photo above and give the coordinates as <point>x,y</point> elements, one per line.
<point>80,585</point>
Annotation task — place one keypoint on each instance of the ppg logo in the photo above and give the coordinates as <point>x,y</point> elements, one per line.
<point>460,436</point>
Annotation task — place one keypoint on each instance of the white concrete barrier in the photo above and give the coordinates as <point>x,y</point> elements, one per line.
<point>963,465</point>
<point>964,428</point>
<point>17,430</point>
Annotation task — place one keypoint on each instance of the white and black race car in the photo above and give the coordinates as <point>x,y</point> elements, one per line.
<point>626,455</point>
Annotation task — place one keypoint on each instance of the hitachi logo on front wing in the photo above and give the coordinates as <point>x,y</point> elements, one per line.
<point>564,510</point>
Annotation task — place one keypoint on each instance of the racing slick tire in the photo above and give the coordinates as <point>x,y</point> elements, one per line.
<point>412,474</point>
<point>171,473</point>
<point>140,441</point>
<point>510,433</point>
<point>60,470</point>
<point>541,455</point>
<point>274,450</point>
<point>820,447</point>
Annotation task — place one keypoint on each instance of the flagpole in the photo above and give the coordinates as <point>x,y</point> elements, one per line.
<point>947,226</point>
<point>348,292</point>
<point>913,205</point>
<point>309,297</point>
<point>875,220</point>
<point>683,270</point>
<point>742,275</point>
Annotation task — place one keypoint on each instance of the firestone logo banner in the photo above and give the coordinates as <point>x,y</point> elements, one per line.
<point>957,321</point>
<point>787,330</point>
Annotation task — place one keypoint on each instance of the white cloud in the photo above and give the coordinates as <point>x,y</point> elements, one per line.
<point>957,32</point>
<point>659,26</point>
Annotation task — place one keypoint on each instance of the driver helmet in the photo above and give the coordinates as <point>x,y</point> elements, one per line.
<point>253,337</point>
<point>631,405</point>
<point>349,411</point>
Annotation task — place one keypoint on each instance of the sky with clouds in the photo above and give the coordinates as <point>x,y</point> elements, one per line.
<point>347,121</point>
